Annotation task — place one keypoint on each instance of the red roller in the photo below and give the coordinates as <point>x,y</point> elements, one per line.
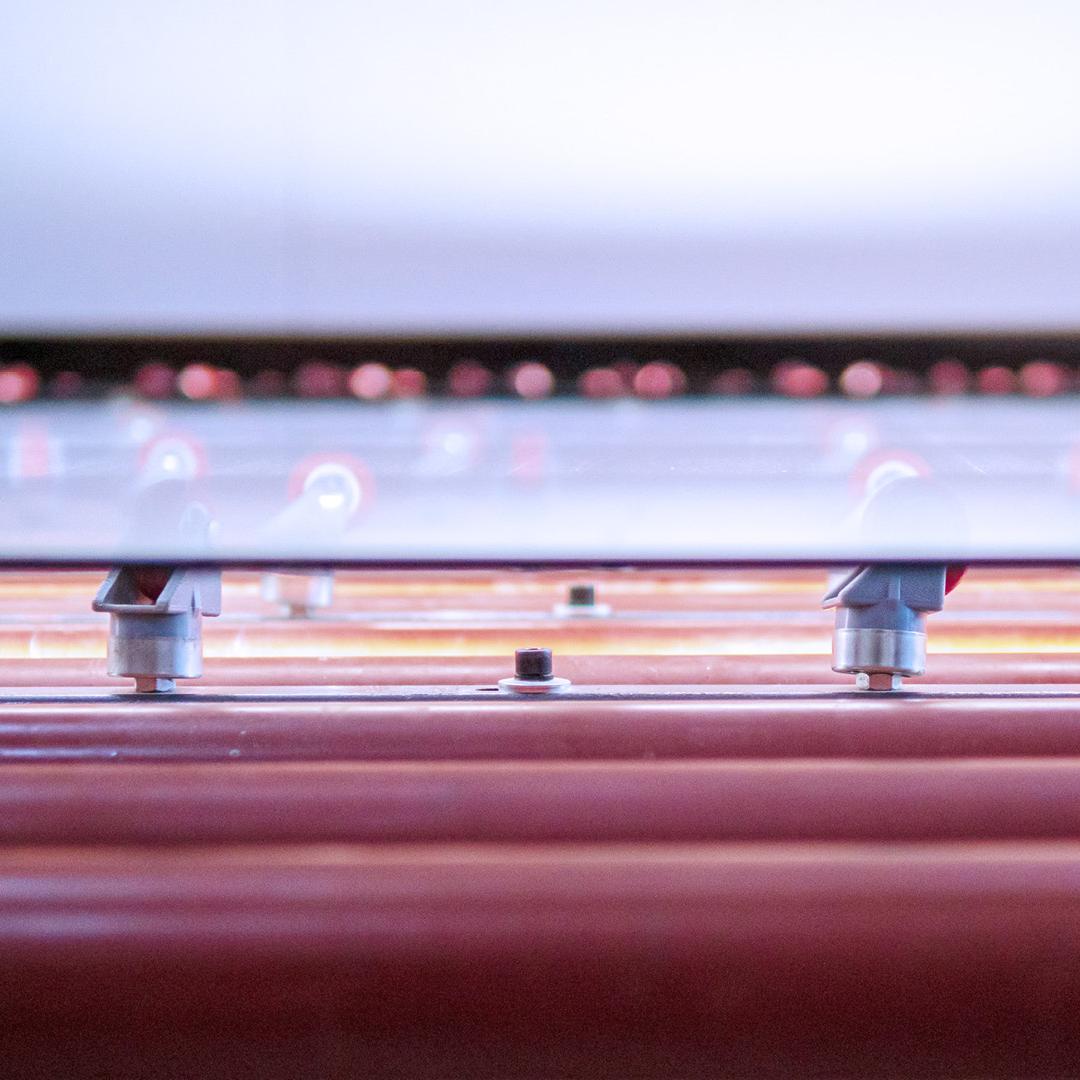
<point>558,801</point>
<point>767,671</point>
<point>773,724</point>
<point>595,961</point>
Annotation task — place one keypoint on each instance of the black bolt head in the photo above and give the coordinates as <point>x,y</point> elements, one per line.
<point>532,663</point>
<point>582,595</point>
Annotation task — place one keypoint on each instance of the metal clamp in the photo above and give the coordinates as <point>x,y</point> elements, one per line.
<point>155,624</point>
<point>880,633</point>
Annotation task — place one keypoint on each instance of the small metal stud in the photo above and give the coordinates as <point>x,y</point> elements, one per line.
<point>533,673</point>
<point>581,602</point>
<point>878,680</point>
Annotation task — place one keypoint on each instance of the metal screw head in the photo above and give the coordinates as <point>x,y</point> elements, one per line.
<point>581,595</point>
<point>533,674</point>
<point>534,663</point>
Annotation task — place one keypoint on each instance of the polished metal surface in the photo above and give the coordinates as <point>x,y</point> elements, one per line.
<point>892,652</point>
<point>156,655</point>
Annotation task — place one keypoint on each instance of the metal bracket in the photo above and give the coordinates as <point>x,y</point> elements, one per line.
<point>157,638</point>
<point>881,610</point>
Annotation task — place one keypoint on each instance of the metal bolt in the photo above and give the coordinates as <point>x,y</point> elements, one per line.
<point>581,595</point>
<point>533,673</point>
<point>532,663</point>
<point>581,603</point>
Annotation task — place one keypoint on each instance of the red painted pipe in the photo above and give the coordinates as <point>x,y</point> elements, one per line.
<point>174,901</point>
<point>396,636</point>
<point>767,670</point>
<point>778,960</point>
<point>515,801</point>
<point>774,725</point>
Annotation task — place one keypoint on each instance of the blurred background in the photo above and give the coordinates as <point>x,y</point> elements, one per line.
<point>400,211</point>
<point>498,379</point>
<point>487,169</point>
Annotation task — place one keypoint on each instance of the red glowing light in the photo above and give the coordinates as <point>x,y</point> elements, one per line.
<point>863,379</point>
<point>228,386</point>
<point>469,379</point>
<point>155,380</point>
<point>409,383</point>
<point>1042,379</point>
<point>602,382</point>
<point>948,377</point>
<point>995,380</point>
<point>659,380</point>
<point>371,381</point>
<point>198,382</point>
<point>795,378</point>
<point>19,382</point>
<point>532,381</point>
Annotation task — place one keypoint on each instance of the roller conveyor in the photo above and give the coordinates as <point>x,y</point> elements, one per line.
<point>711,801</point>
<point>627,723</point>
<point>364,830</point>
<point>592,960</point>
<point>539,541</point>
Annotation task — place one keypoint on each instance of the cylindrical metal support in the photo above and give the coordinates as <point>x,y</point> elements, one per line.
<point>896,652</point>
<point>880,633</point>
<point>164,646</point>
<point>155,624</point>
